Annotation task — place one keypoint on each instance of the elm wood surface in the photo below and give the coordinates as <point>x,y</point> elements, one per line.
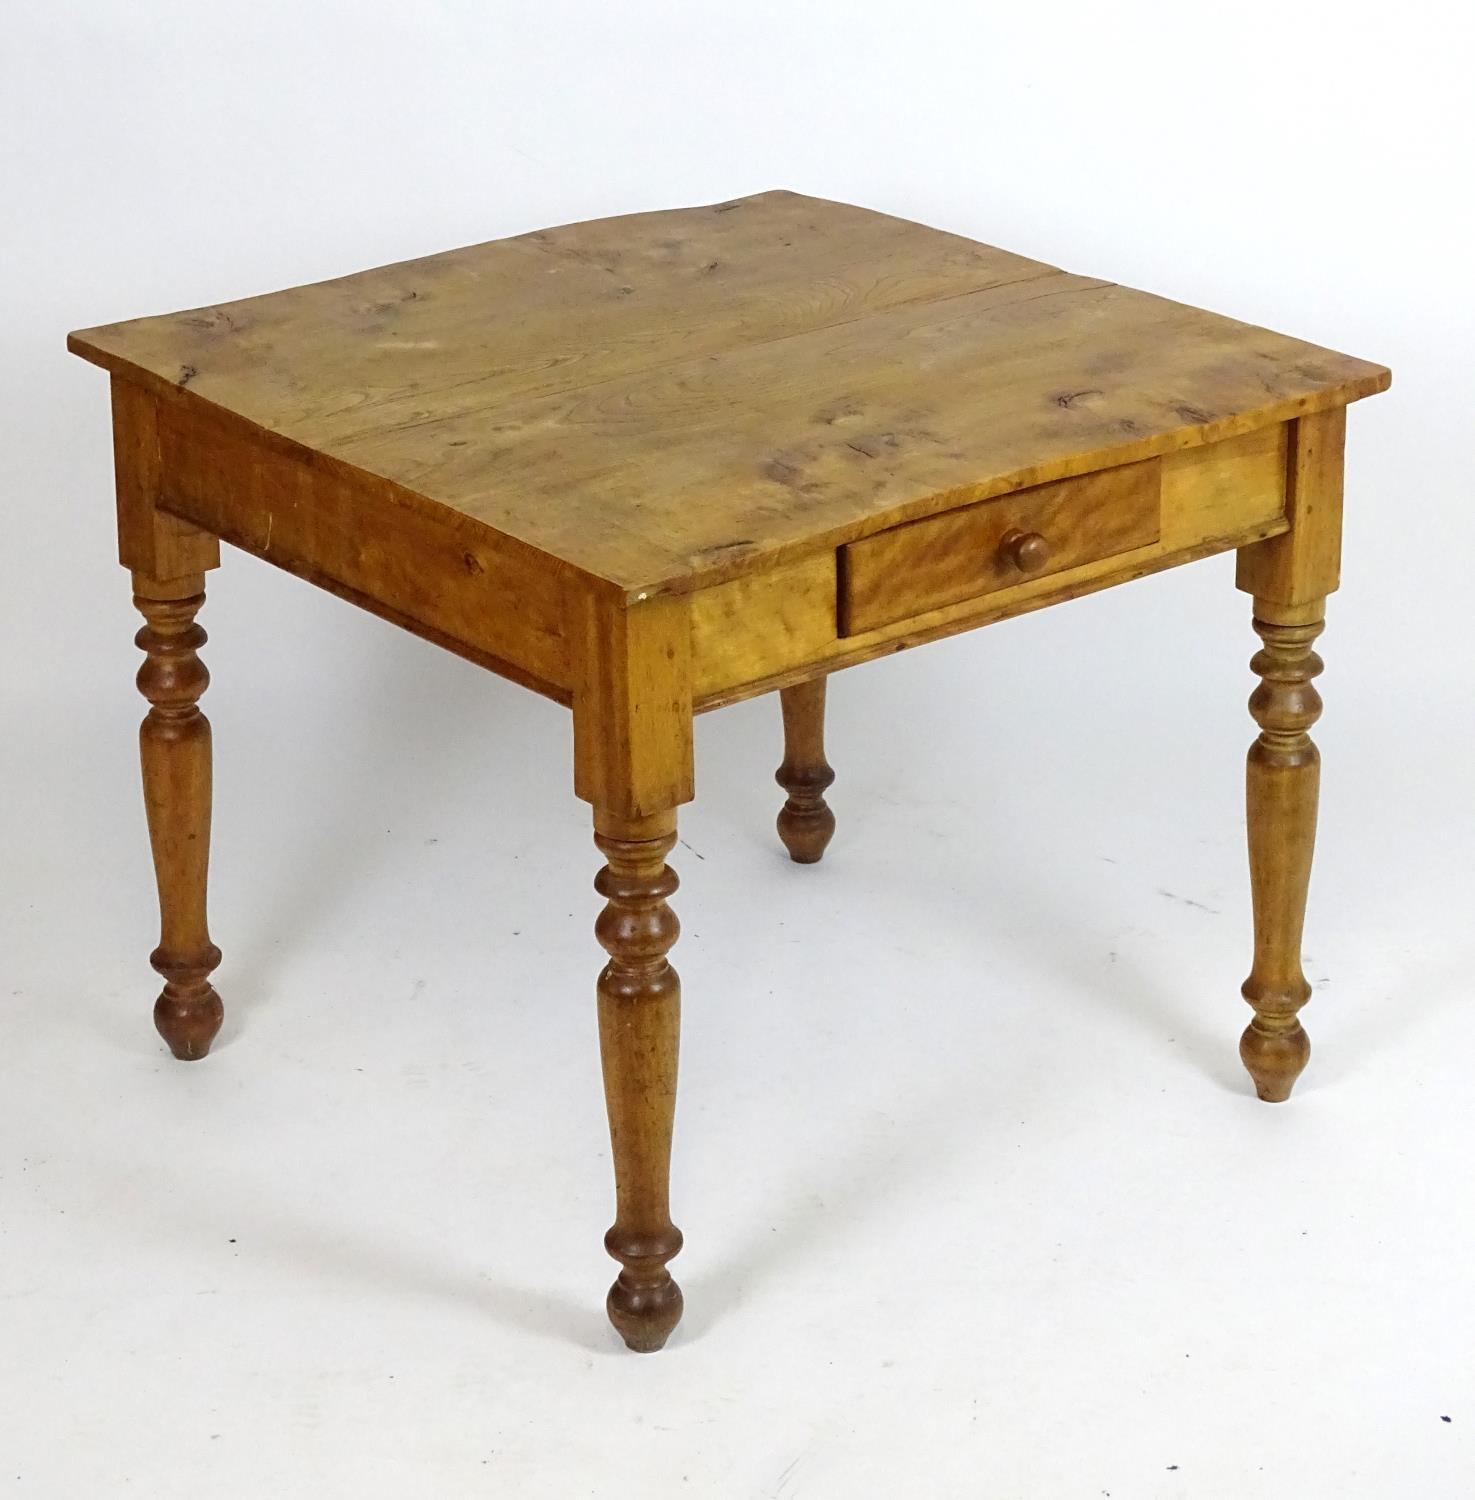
<point>651,465</point>
<point>666,399</point>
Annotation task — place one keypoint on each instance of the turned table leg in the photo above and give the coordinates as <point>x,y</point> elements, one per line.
<point>805,822</point>
<point>174,743</point>
<point>1289,577</point>
<point>1281,783</point>
<point>639,1025</point>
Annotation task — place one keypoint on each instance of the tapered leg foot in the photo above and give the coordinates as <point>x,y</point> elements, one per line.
<point>639,1027</point>
<point>645,1306</point>
<point>1274,1059</point>
<point>174,746</point>
<point>1282,780</point>
<point>805,823</point>
<point>188,1016</point>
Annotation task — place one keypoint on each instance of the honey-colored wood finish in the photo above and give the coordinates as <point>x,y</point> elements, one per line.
<point>632,706</point>
<point>981,549</point>
<point>430,570</point>
<point>1290,576</point>
<point>153,541</point>
<point>652,465</point>
<point>1282,779</point>
<point>174,745</point>
<point>805,823</point>
<point>669,399</point>
<point>1303,563</point>
<point>639,1025</point>
<point>751,635</point>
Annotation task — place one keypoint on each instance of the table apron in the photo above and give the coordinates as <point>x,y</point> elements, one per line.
<point>417,564</point>
<point>770,630</point>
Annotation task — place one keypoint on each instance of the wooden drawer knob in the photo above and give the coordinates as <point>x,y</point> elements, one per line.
<point>1027,550</point>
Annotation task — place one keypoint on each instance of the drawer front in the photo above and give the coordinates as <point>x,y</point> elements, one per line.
<point>997,544</point>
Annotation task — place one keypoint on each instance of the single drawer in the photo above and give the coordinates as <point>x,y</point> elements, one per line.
<point>997,544</point>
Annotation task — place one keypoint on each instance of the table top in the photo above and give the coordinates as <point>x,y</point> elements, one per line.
<point>664,400</point>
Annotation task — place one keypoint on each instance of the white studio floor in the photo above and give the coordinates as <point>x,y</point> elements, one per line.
<point>978,1201</point>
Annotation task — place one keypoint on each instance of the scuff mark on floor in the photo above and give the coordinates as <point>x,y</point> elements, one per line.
<point>1213,911</point>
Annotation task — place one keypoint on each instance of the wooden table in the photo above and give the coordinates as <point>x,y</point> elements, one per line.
<point>651,465</point>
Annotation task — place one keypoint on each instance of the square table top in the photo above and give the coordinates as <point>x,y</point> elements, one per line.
<point>663,400</point>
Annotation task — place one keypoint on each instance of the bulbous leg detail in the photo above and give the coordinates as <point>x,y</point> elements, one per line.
<point>174,747</point>
<point>1282,781</point>
<point>805,823</point>
<point>639,1028</point>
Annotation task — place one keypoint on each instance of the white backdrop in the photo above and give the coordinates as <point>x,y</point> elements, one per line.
<point>975,1193</point>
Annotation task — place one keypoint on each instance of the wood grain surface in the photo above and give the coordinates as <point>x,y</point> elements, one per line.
<point>666,400</point>
<point>967,553</point>
<point>651,465</point>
